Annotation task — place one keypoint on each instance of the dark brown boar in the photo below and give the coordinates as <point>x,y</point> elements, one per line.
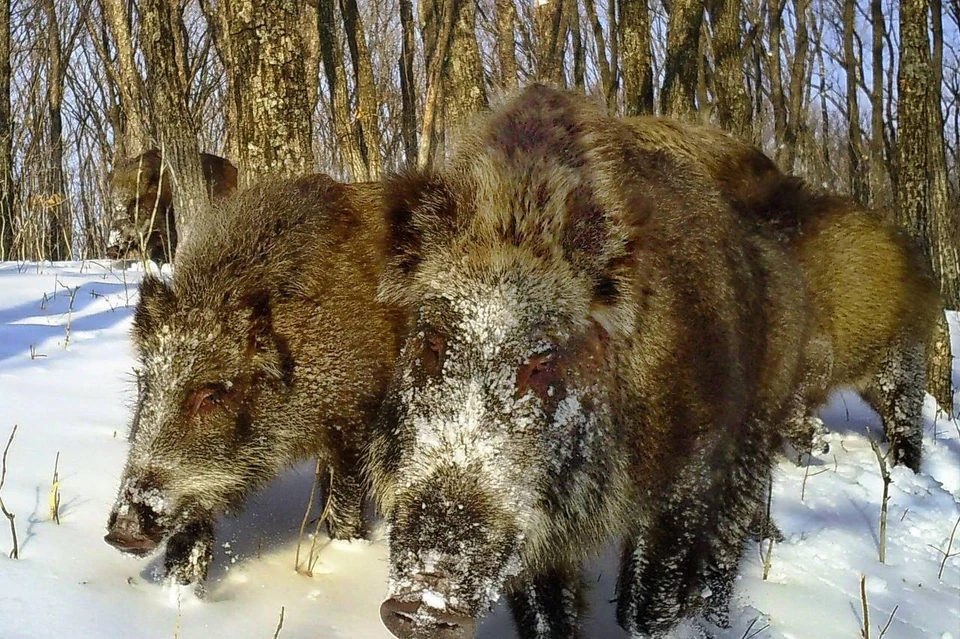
<point>597,348</point>
<point>145,226</point>
<point>268,348</point>
<point>873,299</point>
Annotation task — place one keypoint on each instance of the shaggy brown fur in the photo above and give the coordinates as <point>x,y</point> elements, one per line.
<point>598,345</point>
<point>145,225</point>
<point>872,296</point>
<point>267,349</point>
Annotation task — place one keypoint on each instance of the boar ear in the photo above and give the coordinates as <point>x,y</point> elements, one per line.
<point>268,349</point>
<point>419,211</point>
<point>156,304</point>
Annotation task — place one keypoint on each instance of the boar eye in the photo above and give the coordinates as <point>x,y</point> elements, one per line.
<point>434,348</point>
<point>205,399</point>
<point>539,374</point>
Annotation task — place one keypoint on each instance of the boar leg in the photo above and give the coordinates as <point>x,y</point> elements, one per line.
<point>896,393</point>
<point>686,559</point>
<point>189,553</point>
<point>347,493</point>
<point>549,605</point>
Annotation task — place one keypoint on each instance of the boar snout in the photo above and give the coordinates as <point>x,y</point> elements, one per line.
<point>133,529</point>
<point>412,619</point>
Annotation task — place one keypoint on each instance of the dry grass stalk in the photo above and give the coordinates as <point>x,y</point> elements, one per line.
<point>885,475</point>
<point>15,553</point>
<point>55,491</point>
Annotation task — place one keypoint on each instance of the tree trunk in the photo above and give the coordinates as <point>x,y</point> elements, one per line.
<point>465,92</point>
<point>606,73</point>
<point>777,96</point>
<point>311,57</point>
<point>572,18</point>
<point>439,17</point>
<point>506,42</point>
<point>135,128</point>
<point>59,237</point>
<point>367,104</point>
<point>683,46</point>
<point>733,104</point>
<point>159,30</point>
<point>796,115</point>
<point>550,38</point>
<point>921,183</point>
<point>269,89</point>
<point>858,184</point>
<point>637,57</point>
<point>6,138</point>
<point>878,162</point>
<point>332,56</point>
<point>408,84</point>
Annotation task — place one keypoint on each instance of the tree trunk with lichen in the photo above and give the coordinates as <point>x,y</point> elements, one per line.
<point>269,88</point>
<point>680,69</point>
<point>921,184</point>
<point>161,33</point>
<point>637,57</point>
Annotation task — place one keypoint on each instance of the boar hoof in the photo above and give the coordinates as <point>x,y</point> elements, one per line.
<point>189,554</point>
<point>401,619</point>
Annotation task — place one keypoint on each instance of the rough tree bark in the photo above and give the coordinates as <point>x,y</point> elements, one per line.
<point>465,92</point>
<point>777,95</point>
<point>331,54</point>
<point>59,235</point>
<point>878,161</point>
<point>439,18</point>
<point>637,62</point>
<point>683,46</point>
<point>367,104</point>
<point>733,104</point>
<point>269,88</point>
<point>921,183</point>
<point>506,42</point>
<point>607,80</point>
<point>797,103</point>
<point>6,138</point>
<point>408,84</point>
<point>160,30</point>
<point>851,66</point>
<point>550,34</point>
<point>134,136</point>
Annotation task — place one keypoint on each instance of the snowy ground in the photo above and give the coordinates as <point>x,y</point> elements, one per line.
<point>73,397</point>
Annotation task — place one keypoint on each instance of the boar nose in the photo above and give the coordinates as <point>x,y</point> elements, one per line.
<point>400,618</point>
<point>128,533</point>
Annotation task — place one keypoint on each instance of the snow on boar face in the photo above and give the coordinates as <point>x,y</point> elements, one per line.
<point>500,400</point>
<point>198,438</point>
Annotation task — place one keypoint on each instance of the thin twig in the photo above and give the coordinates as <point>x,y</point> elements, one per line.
<point>885,475</point>
<point>768,559</point>
<point>883,630</point>
<point>15,553</point>
<point>306,515</point>
<point>279,625</point>
<point>947,555</point>
<point>311,561</point>
<point>865,631</point>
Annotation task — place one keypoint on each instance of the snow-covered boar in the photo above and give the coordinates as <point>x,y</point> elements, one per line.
<point>144,225</point>
<point>873,301</point>
<point>268,348</point>
<point>598,347</point>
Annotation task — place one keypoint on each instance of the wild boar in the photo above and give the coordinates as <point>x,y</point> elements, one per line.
<point>872,297</point>
<point>145,226</point>
<point>597,348</point>
<point>268,348</point>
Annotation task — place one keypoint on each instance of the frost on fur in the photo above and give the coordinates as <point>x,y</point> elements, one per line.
<point>551,393</point>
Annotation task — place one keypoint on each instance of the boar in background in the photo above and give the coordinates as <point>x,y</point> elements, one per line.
<point>872,297</point>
